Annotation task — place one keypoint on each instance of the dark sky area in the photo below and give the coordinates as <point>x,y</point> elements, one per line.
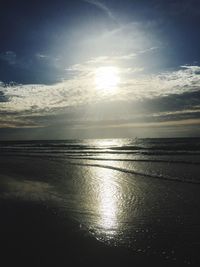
<point>91,69</point>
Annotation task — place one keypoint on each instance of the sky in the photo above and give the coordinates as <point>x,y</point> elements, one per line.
<point>99,69</point>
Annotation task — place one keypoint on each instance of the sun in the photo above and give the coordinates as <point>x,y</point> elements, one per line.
<point>107,78</point>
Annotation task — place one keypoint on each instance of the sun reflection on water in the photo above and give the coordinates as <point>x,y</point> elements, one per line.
<point>107,143</point>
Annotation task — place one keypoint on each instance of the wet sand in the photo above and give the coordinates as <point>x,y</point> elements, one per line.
<point>49,221</point>
<point>34,235</point>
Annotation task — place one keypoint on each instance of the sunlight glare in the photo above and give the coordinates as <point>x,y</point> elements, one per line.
<point>107,78</point>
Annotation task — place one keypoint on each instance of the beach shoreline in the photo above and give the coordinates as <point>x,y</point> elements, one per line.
<point>55,214</point>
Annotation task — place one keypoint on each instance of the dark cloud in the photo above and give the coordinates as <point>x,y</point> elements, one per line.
<point>3,97</point>
<point>174,102</point>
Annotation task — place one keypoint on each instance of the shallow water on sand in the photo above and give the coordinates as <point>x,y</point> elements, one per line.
<point>141,194</point>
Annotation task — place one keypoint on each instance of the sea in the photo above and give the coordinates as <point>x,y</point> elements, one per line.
<point>142,195</point>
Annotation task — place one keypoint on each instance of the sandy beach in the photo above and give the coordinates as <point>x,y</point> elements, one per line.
<point>55,214</point>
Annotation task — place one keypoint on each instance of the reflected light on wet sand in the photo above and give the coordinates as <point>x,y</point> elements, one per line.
<point>105,199</point>
<point>107,205</point>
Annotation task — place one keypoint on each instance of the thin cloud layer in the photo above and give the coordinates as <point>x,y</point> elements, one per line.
<point>101,6</point>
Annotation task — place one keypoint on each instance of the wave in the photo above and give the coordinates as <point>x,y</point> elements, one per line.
<point>144,146</point>
<point>164,151</point>
<point>102,151</point>
<point>139,160</point>
<point>70,156</point>
<point>154,176</point>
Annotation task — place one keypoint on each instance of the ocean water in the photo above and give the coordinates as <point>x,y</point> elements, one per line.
<point>140,194</point>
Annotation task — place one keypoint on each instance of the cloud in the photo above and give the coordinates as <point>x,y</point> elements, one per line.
<point>9,56</point>
<point>80,88</point>
<point>3,97</point>
<point>143,98</point>
<point>174,123</point>
<point>41,56</point>
<point>101,6</point>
